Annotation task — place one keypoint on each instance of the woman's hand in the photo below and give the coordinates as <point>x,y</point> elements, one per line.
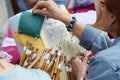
<point>51,9</point>
<point>80,67</point>
<point>48,8</point>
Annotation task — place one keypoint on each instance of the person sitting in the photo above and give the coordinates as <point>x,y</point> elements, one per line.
<point>105,65</point>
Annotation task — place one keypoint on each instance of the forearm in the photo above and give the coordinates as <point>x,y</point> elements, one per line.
<point>5,66</point>
<point>78,28</point>
<point>53,11</point>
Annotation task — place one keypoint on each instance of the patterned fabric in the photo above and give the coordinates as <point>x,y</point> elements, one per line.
<point>10,52</point>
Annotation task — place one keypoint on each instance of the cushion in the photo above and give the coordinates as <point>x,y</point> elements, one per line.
<point>30,24</point>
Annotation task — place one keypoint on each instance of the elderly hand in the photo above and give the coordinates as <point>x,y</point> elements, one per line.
<point>80,67</point>
<point>48,8</point>
<point>51,9</point>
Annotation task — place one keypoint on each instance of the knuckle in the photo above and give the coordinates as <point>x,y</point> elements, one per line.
<point>48,3</point>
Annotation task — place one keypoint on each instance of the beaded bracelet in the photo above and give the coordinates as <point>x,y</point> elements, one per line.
<point>72,23</point>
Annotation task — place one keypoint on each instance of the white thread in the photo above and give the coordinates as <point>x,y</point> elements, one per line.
<point>59,66</point>
<point>55,60</point>
<point>28,52</point>
<point>24,48</point>
<point>25,63</point>
<point>67,69</point>
<point>34,55</point>
<point>48,62</point>
<point>70,69</point>
<point>59,53</point>
<point>46,56</point>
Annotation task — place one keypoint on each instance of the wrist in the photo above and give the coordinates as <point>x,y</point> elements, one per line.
<point>72,24</point>
<point>65,18</point>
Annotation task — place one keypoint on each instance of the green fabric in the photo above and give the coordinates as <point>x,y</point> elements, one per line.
<point>30,24</point>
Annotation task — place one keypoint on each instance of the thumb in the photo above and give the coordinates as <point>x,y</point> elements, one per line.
<point>40,12</point>
<point>36,12</point>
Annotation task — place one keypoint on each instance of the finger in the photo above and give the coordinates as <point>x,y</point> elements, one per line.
<point>78,57</point>
<point>77,60</point>
<point>40,5</point>
<point>85,59</point>
<point>36,6</point>
<point>43,12</point>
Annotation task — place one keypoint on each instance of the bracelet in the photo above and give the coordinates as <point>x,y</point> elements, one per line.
<point>72,23</point>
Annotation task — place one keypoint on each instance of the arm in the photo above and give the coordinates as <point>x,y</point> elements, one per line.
<point>52,10</point>
<point>94,39</point>
<point>4,66</point>
<point>86,35</point>
<point>99,69</point>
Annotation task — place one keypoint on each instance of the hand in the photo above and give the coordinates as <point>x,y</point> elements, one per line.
<point>48,8</point>
<point>80,67</point>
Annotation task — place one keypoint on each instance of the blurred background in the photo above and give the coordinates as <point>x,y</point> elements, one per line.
<point>10,9</point>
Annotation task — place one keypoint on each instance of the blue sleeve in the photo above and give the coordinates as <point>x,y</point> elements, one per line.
<point>59,2</point>
<point>101,70</point>
<point>80,3</point>
<point>94,39</point>
<point>22,5</point>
